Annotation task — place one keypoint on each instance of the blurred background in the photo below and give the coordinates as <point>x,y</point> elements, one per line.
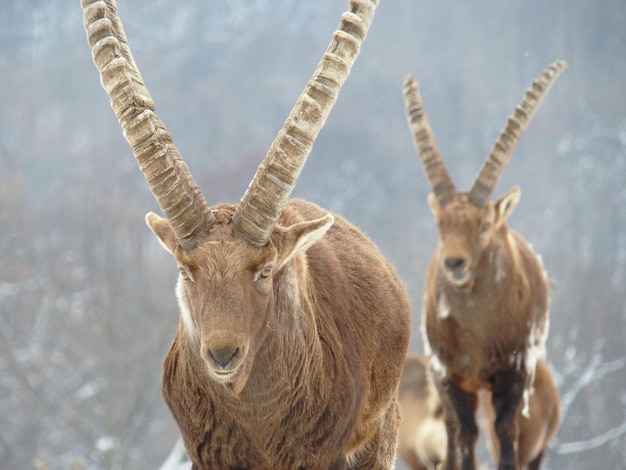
<point>87,309</point>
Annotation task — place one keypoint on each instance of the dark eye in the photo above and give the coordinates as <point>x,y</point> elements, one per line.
<point>484,226</point>
<point>184,274</point>
<point>265,273</point>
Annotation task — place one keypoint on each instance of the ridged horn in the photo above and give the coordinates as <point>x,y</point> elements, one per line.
<point>276,177</point>
<point>167,174</point>
<point>503,149</point>
<point>424,141</point>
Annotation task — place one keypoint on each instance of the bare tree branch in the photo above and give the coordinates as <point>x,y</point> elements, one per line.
<point>587,444</point>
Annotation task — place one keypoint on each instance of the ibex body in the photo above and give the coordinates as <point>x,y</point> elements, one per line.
<point>293,327</point>
<point>537,428</point>
<point>485,318</point>
<point>282,356</point>
<point>422,435</point>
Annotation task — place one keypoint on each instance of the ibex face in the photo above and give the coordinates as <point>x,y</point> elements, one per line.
<point>466,231</point>
<point>225,289</point>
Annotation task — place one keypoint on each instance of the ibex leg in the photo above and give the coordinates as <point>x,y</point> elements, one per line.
<point>507,395</point>
<point>460,423</point>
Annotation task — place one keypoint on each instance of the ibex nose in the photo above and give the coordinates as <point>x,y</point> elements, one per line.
<point>223,356</point>
<point>454,263</point>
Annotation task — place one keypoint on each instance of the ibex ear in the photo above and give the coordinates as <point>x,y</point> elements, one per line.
<point>299,237</point>
<point>506,205</point>
<point>162,229</point>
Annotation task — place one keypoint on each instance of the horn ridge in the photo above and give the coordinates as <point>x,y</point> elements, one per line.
<point>424,141</point>
<point>517,123</point>
<point>275,179</point>
<point>168,176</point>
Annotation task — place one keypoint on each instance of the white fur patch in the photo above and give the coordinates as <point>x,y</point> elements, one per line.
<point>536,342</point>
<point>500,272</point>
<point>185,310</point>
<point>543,269</point>
<point>438,367</point>
<point>526,406</point>
<point>535,350</point>
<point>443,308</point>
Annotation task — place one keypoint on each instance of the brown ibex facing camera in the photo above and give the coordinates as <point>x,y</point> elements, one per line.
<point>485,311</point>
<point>293,327</point>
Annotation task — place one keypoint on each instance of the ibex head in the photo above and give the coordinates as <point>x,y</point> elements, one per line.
<point>465,230</point>
<point>225,289</point>
<point>229,256</point>
<point>467,221</point>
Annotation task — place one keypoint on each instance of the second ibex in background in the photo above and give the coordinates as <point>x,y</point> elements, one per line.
<point>293,327</point>
<point>485,318</point>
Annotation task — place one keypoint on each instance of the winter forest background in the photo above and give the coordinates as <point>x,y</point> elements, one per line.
<point>87,309</point>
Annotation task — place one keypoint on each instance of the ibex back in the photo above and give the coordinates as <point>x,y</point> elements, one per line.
<point>485,318</point>
<point>293,327</point>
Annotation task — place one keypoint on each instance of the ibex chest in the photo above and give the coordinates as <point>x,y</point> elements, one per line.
<point>471,336</point>
<point>269,425</point>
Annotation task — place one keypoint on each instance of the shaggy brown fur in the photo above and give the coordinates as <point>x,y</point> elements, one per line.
<point>422,434</point>
<point>536,430</point>
<point>287,356</point>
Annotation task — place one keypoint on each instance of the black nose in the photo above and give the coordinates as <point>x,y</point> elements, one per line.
<point>223,356</point>
<point>454,263</point>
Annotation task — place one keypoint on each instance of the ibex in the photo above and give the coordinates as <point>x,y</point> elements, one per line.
<point>293,327</point>
<point>536,429</point>
<point>422,434</point>
<point>485,318</point>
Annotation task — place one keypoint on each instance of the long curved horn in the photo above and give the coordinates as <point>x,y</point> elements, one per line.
<point>167,174</point>
<point>276,177</point>
<point>503,149</point>
<point>424,141</point>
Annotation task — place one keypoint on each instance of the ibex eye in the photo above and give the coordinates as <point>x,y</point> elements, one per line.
<point>265,273</point>
<point>484,226</point>
<point>184,274</point>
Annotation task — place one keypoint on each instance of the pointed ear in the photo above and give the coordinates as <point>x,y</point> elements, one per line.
<point>433,203</point>
<point>506,205</point>
<point>161,228</point>
<point>300,237</point>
